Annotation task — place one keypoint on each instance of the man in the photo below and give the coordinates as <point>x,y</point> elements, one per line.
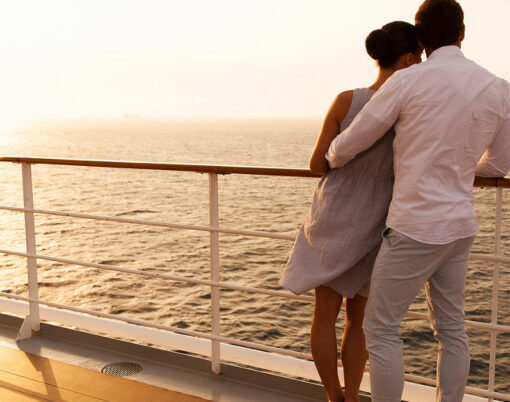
<point>452,119</point>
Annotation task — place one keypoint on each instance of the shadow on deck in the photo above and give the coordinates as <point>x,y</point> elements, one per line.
<point>60,364</point>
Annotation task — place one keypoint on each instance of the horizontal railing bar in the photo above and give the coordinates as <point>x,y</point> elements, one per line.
<point>469,323</point>
<point>197,168</point>
<point>487,394</point>
<point>219,169</point>
<point>240,232</point>
<point>491,182</point>
<point>189,332</point>
<point>411,314</point>
<point>251,345</point>
<point>468,390</point>
<point>490,258</point>
<point>473,256</point>
<point>269,292</point>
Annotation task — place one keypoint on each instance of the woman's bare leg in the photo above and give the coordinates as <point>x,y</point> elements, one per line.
<point>323,340</point>
<point>353,349</point>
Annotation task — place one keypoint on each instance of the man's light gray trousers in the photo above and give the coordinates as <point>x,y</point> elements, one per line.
<point>401,269</point>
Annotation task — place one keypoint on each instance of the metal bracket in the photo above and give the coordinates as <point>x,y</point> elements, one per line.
<point>25,331</point>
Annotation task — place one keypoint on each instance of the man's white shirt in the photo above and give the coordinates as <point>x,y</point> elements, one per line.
<point>451,118</point>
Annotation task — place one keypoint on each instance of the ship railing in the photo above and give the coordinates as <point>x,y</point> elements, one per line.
<point>211,344</point>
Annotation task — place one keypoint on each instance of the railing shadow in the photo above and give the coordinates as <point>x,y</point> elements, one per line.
<point>28,378</point>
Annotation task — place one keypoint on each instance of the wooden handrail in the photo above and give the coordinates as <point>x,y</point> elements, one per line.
<point>491,182</point>
<point>218,169</point>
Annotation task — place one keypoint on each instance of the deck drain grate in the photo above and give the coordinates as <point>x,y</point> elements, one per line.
<point>122,369</point>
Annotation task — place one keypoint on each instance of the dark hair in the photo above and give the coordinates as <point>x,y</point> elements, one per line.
<point>388,44</point>
<point>439,23</point>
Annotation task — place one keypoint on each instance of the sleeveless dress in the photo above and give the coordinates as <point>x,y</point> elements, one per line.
<point>340,237</point>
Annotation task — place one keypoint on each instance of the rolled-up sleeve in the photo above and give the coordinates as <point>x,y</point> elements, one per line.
<point>495,161</point>
<point>378,115</point>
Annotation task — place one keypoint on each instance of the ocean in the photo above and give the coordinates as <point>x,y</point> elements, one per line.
<point>273,204</point>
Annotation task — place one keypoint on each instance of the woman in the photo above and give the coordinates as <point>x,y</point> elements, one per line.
<point>338,242</point>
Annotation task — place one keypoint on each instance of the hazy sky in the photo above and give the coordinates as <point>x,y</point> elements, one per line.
<point>210,58</point>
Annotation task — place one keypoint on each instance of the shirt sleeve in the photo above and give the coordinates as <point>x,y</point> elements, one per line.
<point>378,115</point>
<point>495,162</point>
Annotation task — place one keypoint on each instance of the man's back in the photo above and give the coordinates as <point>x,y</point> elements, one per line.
<point>446,112</point>
<point>451,111</point>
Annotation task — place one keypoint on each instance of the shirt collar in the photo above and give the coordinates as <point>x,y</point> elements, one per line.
<point>446,51</point>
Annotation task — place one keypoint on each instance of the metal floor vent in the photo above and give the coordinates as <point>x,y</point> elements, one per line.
<point>122,369</point>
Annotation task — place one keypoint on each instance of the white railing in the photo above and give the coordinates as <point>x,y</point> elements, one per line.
<point>208,344</point>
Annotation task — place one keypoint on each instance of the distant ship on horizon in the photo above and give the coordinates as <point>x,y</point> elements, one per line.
<point>130,116</point>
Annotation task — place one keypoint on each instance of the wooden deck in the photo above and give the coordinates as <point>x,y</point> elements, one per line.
<point>28,377</point>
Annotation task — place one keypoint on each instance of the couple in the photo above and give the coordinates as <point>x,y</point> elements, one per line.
<point>435,125</point>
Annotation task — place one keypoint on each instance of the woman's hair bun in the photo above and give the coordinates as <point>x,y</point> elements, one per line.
<point>388,44</point>
<point>378,44</point>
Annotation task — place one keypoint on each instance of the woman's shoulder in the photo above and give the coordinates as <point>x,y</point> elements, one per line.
<point>342,102</point>
<point>345,96</point>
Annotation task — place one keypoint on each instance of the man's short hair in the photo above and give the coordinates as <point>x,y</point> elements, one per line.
<point>439,23</point>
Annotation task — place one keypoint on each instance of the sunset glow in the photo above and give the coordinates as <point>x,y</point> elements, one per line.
<point>204,58</point>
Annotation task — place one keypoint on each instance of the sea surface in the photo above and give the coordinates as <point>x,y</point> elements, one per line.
<point>273,204</point>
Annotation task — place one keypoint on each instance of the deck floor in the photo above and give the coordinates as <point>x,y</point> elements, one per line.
<point>28,377</point>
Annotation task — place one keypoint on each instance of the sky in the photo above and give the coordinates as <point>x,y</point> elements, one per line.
<point>205,58</point>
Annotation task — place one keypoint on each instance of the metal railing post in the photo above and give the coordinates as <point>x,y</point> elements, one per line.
<point>215,272</point>
<point>33,320</point>
<point>495,290</point>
